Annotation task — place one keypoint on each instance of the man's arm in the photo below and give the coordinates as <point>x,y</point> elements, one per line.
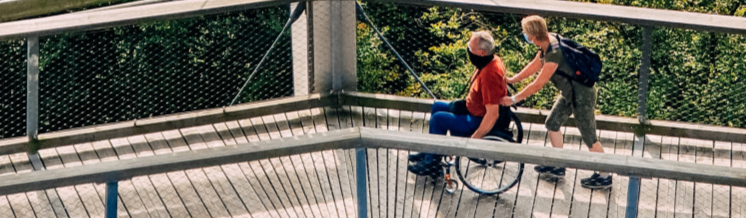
<point>493,112</point>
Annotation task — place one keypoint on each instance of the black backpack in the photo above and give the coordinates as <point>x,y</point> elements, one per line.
<point>586,63</point>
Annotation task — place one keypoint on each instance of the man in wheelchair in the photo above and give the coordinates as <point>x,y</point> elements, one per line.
<point>476,116</point>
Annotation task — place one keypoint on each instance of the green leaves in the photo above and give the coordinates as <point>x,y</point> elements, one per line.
<point>694,75</point>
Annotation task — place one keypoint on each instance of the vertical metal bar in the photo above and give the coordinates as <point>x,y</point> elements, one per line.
<point>362,185</point>
<point>633,189</point>
<point>299,41</point>
<point>111,199</point>
<point>633,197</point>
<point>647,44</point>
<point>32,101</point>
<point>32,95</point>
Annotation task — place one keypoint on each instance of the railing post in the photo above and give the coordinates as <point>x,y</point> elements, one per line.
<point>112,194</point>
<point>32,100</point>
<point>647,44</point>
<point>300,46</point>
<point>333,36</point>
<point>633,189</point>
<point>362,185</point>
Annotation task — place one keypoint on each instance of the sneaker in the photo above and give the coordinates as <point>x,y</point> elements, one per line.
<point>542,169</point>
<point>428,166</point>
<point>556,172</point>
<point>416,157</point>
<point>597,183</point>
<point>594,176</point>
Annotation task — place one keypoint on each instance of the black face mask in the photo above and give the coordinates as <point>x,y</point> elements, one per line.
<point>479,61</point>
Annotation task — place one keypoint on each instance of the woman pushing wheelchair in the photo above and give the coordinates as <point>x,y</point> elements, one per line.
<point>576,97</point>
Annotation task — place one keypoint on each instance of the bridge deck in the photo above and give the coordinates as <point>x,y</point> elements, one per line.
<point>322,184</point>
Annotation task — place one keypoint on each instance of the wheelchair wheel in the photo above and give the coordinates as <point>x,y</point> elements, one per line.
<point>490,177</point>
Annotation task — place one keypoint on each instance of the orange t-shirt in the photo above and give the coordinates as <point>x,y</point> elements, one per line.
<point>489,88</point>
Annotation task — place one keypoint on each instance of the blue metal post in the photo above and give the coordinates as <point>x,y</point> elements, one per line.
<point>633,190</point>
<point>633,197</point>
<point>362,185</point>
<point>111,199</point>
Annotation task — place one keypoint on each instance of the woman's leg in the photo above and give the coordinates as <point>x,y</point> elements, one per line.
<point>560,113</point>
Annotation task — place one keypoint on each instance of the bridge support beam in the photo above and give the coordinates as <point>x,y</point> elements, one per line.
<point>300,45</point>
<point>633,190</point>
<point>32,101</point>
<point>333,44</point>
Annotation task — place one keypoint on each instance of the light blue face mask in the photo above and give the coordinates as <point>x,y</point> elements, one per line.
<point>526,37</point>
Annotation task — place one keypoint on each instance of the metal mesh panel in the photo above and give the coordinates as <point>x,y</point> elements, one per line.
<point>12,88</point>
<point>158,68</point>
<point>695,77</point>
<point>433,41</point>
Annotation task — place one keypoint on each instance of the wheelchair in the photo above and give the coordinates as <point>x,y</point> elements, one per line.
<point>485,176</point>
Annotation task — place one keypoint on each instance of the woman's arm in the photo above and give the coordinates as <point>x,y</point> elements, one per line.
<point>535,86</point>
<point>527,71</point>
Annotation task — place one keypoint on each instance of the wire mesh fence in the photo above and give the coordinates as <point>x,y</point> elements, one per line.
<point>151,69</point>
<point>693,79</point>
<point>12,88</point>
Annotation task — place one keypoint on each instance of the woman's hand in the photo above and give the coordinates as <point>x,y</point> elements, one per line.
<point>506,101</point>
<point>510,80</point>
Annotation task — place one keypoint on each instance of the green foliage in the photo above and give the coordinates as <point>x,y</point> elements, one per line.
<point>163,67</point>
<point>693,74</point>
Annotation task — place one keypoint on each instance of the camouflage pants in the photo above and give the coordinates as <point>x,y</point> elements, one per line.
<point>583,108</point>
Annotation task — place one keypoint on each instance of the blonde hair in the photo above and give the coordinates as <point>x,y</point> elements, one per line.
<point>486,42</point>
<point>535,26</point>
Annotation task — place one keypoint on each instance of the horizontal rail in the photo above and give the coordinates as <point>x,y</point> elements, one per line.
<point>623,165</point>
<point>370,138</point>
<point>254,109</point>
<point>599,12</point>
<point>191,8</point>
<point>128,16</point>
<point>13,10</point>
<point>168,122</point>
<point>126,169</point>
<point>527,115</point>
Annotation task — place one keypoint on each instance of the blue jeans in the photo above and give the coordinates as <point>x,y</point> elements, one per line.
<point>460,125</point>
<point>443,121</point>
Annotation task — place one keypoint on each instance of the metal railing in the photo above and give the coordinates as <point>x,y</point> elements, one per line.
<point>359,139</point>
<point>338,72</point>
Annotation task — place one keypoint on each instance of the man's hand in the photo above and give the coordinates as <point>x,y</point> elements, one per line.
<point>506,101</point>
<point>493,111</point>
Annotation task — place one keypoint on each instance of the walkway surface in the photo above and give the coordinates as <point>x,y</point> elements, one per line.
<point>322,184</point>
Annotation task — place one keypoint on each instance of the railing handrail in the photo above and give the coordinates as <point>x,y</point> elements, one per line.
<point>261,108</point>
<point>370,138</point>
<point>190,8</point>
<point>168,122</point>
<point>600,12</point>
<point>127,16</point>
<point>528,115</point>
